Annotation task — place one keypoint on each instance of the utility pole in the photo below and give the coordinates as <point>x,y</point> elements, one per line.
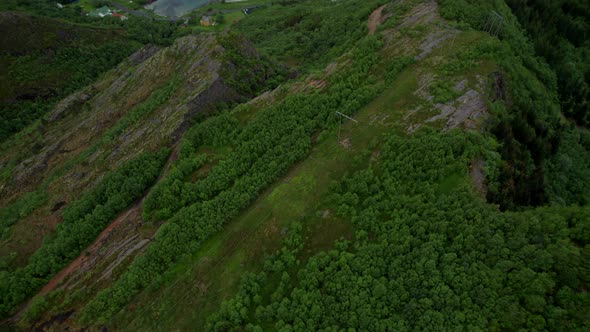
<point>340,116</point>
<point>494,23</point>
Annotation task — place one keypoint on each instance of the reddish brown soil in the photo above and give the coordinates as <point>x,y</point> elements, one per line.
<point>317,84</point>
<point>375,20</point>
<point>58,278</point>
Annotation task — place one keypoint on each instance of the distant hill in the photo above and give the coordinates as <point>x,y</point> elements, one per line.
<point>44,59</point>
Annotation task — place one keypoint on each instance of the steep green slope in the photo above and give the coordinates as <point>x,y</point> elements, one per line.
<point>100,137</point>
<point>427,255</point>
<point>528,121</point>
<point>414,209</point>
<point>560,31</point>
<point>306,33</point>
<point>270,216</point>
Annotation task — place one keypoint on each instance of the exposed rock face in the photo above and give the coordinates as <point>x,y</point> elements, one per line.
<point>95,129</point>
<point>466,109</point>
<point>27,170</point>
<point>433,40</point>
<point>78,123</point>
<point>70,104</point>
<point>217,92</point>
<point>143,54</point>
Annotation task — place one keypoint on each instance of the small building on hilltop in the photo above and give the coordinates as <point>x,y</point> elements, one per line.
<point>101,12</point>
<point>207,21</point>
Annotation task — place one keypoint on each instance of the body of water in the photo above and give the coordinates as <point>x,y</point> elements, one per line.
<point>175,8</point>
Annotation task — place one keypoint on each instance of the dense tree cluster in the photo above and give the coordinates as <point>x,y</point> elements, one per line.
<point>308,32</point>
<point>176,190</point>
<point>83,220</point>
<point>527,122</point>
<point>429,255</point>
<point>568,171</point>
<point>239,307</point>
<point>560,31</point>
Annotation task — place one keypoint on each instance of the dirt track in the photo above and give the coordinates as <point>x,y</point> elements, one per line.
<point>375,20</point>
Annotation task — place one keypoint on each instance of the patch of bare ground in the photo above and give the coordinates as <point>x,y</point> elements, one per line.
<point>271,229</point>
<point>346,143</point>
<point>318,83</point>
<point>478,177</point>
<point>468,110</point>
<point>419,32</point>
<point>265,98</point>
<point>375,19</point>
<point>87,256</point>
<point>309,85</point>
<point>465,110</point>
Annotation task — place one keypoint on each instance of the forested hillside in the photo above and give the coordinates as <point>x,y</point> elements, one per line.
<point>44,60</point>
<point>48,53</point>
<point>426,255</point>
<point>298,165</point>
<point>560,31</point>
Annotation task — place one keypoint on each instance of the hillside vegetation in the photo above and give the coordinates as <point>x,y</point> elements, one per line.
<point>213,180</point>
<point>43,60</point>
<point>47,53</point>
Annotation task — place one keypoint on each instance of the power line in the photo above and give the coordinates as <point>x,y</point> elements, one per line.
<point>494,23</point>
<point>340,124</point>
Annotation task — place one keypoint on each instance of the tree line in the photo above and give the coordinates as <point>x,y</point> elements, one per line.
<point>527,121</point>
<point>560,31</point>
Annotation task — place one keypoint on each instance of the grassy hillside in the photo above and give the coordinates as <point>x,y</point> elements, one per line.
<point>205,186</point>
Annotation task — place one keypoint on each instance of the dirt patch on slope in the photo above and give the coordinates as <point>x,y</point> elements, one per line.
<point>433,40</point>
<point>408,38</point>
<point>466,110</point>
<point>478,177</point>
<point>375,19</point>
<point>75,265</point>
